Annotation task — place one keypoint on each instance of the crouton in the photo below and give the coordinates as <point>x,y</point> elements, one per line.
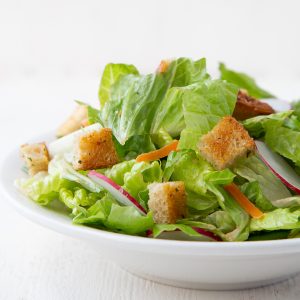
<point>74,122</point>
<point>225,143</point>
<point>248,107</point>
<point>94,150</point>
<point>36,157</point>
<point>167,201</point>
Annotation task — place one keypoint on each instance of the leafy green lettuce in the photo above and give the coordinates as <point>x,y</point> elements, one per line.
<point>256,126</point>
<point>43,188</point>
<point>284,141</point>
<point>108,214</point>
<point>254,193</point>
<point>111,74</point>
<point>254,170</point>
<point>281,218</point>
<point>203,107</point>
<point>243,81</point>
<point>187,75</point>
<point>133,104</point>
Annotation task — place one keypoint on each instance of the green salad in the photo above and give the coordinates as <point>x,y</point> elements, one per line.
<point>174,154</point>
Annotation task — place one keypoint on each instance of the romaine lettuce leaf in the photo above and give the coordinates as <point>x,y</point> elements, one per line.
<point>221,220</point>
<point>233,210</point>
<point>287,202</point>
<point>187,75</point>
<point>116,173</point>
<point>78,199</point>
<point>188,167</point>
<point>186,71</point>
<point>284,141</point>
<point>107,213</point>
<point>243,81</point>
<point>281,218</point>
<point>43,188</point>
<point>133,103</point>
<point>253,169</point>
<point>256,126</point>
<point>58,165</point>
<point>203,107</point>
<point>159,229</point>
<point>111,74</point>
<point>161,138</point>
<point>139,177</point>
<point>296,108</point>
<point>254,193</point>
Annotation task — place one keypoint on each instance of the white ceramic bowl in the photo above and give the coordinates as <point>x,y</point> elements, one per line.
<point>200,265</point>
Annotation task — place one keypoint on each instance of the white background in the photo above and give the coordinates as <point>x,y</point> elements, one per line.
<point>52,52</point>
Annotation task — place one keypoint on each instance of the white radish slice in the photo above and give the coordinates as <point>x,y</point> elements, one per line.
<point>117,191</point>
<point>279,167</point>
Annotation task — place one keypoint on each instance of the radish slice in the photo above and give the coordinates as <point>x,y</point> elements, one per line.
<point>117,191</point>
<point>179,235</point>
<point>279,167</point>
<point>207,233</point>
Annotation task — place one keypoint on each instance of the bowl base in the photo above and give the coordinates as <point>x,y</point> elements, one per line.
<point>215,286</point>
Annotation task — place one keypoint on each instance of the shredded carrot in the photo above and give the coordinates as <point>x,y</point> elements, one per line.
<point>157,154</point>
<point>244,202</point>
<point>163,66</point>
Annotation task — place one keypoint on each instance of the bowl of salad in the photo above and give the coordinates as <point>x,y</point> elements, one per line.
<point>176,176</point>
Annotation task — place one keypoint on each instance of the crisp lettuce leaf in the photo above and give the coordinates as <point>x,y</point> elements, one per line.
<point>220,177</point>
<point>278,219</point>
<point>187,75</point>
<point>201,205</point>
<point>292,122</point>
<point>191,234</point>
<point>296,108</point>
<point>107,213</point>
<point>128,219</point>
<point>186,71</point>
<point>285,142</point>
<point>133,104</point>
<point>116,173</point>
<point>287,202</point>
<point>136,181</point>
<point>188,167</point>
<point>221,220</point>
<point>111,74</point>
<point>256,126</point>
<point>136,145</point>
<point>254,193</point>
<point>233,210</point>
<point>243,81</point>
<point>43,188</point>
<point>253,169</point>
<point>58,165</point>
<point>161,138</point>
<point>203,107</point>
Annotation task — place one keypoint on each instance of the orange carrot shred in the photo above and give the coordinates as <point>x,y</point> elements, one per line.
<point>157,154</point>
<point>243,201</point>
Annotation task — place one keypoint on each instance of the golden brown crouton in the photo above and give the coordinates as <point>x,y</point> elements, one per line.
<point>36,157</point>
<point>74,122</point>
<point>248,107</point>
<point>167,201</point>
<point>94,150</point>
<point>226,142</point>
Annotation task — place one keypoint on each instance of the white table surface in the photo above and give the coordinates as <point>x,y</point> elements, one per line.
<point>36,263</point>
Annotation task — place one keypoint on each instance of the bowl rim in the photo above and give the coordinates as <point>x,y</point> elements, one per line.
<point>48,220</point>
